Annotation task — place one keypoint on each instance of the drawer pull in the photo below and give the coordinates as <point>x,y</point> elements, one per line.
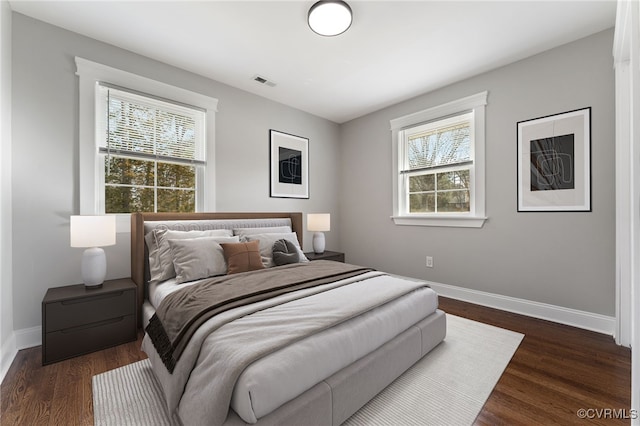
<point>92,325</point>
<point>92,298</point>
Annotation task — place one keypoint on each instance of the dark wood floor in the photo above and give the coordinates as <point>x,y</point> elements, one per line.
<point>58,394</point>
<point>556,371</point>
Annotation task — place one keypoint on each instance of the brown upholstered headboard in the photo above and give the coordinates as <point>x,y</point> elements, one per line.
<point>139,254</point>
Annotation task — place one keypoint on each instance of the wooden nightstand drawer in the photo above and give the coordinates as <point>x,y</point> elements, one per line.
<point>63,344</point>
<point>77,320</point>
<point>88,309</point>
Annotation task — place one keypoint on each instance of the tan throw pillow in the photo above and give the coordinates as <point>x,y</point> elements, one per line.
<point>242,257</point>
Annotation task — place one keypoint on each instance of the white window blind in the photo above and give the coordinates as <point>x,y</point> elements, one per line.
<point>146,127</point>
<point>445,143</point>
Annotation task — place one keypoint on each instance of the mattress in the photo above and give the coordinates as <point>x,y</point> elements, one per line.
<point>283,375</point>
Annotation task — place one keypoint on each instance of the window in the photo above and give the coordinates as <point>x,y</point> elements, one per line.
<point>160,146</point>
<point>439,165</point>
<point>153,151</point>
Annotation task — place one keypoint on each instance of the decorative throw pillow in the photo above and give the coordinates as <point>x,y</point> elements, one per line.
<point>242,257</point>
<point>284,252</point>
<point>266,246</point>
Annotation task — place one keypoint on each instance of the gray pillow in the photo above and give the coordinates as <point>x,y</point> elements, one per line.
<point>160,259</point>
<point>285,252</point>
<point>198,258</point>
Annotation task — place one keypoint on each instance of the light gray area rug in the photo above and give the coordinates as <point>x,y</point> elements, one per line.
<point>447,387</point>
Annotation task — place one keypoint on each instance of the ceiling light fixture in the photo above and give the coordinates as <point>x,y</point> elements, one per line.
<point>330,17</point>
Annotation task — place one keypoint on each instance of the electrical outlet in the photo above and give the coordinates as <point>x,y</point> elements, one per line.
<point>429,261</point>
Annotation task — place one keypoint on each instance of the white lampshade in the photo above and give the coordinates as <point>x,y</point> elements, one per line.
<point>319,222</point>
<point>330,17</point>
<point>93,232</point>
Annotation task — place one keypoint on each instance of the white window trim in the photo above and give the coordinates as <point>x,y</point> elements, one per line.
<point>474,219</point>
<point>90,73</point>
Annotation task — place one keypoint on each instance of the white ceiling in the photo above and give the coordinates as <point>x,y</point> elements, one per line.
<point>394,50</point>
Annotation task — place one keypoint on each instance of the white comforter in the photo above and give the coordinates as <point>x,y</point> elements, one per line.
<point>198,381</point>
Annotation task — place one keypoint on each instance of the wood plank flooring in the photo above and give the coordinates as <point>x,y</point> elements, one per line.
<point>556,371</point>
<point>60,393</point>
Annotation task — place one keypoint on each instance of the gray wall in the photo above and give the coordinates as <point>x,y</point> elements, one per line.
<point>564,259</point>
<point>45,156</point>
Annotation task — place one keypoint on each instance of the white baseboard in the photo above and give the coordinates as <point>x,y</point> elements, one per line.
<point>20,339</point>
<point>9,351</point>
<point>581,319</point>
<point>29,337</point>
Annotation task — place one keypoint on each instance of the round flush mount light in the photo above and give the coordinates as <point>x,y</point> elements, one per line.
<point>330,17</point>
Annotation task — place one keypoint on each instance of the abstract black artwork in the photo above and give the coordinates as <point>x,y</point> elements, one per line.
<point>552,163</point>
<point>290,166</point>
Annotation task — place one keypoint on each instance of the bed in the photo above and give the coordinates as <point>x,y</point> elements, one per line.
<point>309,343</point>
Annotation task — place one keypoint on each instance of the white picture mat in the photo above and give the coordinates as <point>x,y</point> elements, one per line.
<point>577,199</point>
<point>288,190</point>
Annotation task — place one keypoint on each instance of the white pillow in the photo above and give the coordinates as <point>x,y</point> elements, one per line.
<point>160,260</point>
<point>243,232</point>
<point>197,258</point>
<point>266,246</point>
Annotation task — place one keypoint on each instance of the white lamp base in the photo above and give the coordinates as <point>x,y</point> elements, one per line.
<point>318,242</point>
<point>94,267</point>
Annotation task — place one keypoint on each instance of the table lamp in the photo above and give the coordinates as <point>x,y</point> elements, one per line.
<point>93,232</point>
<point>318,223</point>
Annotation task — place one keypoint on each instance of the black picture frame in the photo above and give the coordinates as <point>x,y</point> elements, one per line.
<point>554,162</point>
<point>289,165</point>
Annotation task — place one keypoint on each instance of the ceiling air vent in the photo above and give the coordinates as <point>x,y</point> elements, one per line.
<point>263,80</point>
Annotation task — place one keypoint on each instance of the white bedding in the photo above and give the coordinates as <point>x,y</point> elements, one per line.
<point>158,291</point>
<point>284,374</point>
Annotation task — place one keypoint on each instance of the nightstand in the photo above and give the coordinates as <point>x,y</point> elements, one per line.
<point>327,255</point>
<point>77,320</point>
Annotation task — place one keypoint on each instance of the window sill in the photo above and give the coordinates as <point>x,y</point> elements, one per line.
<point>444,221</point>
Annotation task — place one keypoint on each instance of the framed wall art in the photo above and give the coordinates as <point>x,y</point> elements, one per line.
<point>554,163</point>
<point>289,159</point>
